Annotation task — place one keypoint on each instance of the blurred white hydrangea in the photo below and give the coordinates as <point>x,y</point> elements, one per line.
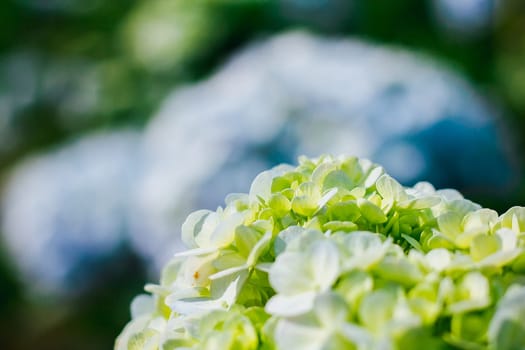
<point>300,94</point>
<point>291,95</point>
<point>65,211</point>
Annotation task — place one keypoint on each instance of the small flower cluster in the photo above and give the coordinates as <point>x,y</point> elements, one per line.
<point>336,254</point>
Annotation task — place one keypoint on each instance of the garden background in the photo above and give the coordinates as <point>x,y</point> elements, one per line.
<point>118,118</point>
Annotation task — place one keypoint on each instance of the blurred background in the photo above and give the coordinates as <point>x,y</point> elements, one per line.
<point>119,118</point>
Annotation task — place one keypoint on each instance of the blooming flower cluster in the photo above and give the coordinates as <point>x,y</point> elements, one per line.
<point>336,254</point>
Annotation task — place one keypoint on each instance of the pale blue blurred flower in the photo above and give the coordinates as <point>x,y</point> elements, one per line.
<point>66,211</point>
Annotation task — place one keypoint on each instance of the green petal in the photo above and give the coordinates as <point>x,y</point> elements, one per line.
<point>377,309</point>
<point>399,270</point>
<point>337,179</point>
<point>280,204</point>
<point>473,293</point>
<point>483,246</point>
<point>334,226</point>
<point>245,239</point>
<point>450,224</point>
<point>371,212</point>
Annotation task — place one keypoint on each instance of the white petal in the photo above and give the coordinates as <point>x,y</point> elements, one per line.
<point>358,335</point>
<point>227,272</point>
<point>290,274</point>
<point>290,305</point>
<point>326,197</point>
<point>289,335</point>
<point>421,203</point>
<point>438,259</point>
<point>195,306</point>
<point>509,239</point>
<point>450,194</point>
<point>324,263</point>
<point>372,177</point>
<point>424,188</point>
<point>264,267</point>
<point>142,304</point>
<point>208,227</point>
<point>262,184</point>
<point>192,227</point>
<point>197,252</point>
<point>224,233</point>
<point>389,188</point>
<point>331,310</point>
<point>479,220</point>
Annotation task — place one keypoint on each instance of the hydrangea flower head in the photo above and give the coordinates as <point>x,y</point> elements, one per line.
<point>336,254</point>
